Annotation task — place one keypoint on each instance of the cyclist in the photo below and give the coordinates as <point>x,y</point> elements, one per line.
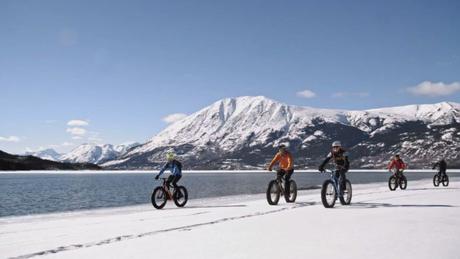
<point>286,165</point>
<point>442,167</point>
<point>174,166</point>
<point>340,157</point>
<point>398,164</point>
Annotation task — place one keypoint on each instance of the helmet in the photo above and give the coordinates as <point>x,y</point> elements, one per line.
<point>282,146</point>
<point>336,144</point>
<point>170,155</point>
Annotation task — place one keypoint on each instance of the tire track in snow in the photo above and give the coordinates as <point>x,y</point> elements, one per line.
<point>151,233</point>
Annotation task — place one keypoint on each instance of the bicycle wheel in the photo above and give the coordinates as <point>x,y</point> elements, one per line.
<point>392,183</point>
<point>292,195</point>
<point>445,180</point>
<point>345,199</point>
<point>180,196</point>
<point>328,194</point>
<point>436,180</point>
<point>273,192</point>
<point>159,198</point>
<point>403,182</point>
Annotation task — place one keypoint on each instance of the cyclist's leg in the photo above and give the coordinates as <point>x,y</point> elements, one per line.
<point>176,180</point>
<point>342,179</point>
<point>169,180</point>
<point>279,174</point>
<point>288,178</point>
<point>174,183</point>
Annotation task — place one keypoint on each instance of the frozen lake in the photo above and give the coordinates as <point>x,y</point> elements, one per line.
<point>36,193</point>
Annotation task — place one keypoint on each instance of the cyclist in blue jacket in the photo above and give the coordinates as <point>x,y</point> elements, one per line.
<point>174,166</point>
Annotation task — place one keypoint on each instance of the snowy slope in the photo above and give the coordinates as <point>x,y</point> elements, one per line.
<point>48,154</point>
<point>233,121</point>
<point>96,153</point>
<point>256,124</point>
<point>421,222</point>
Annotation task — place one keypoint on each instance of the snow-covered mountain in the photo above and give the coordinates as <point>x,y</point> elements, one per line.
<point>48,154</point>
<point>96,153</point>
<point>242,133</point>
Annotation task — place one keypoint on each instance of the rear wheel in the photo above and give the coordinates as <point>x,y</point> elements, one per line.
<point>445,180</point>
<point>328,194</point>
<point>347,193</point>
<point>403,182</point>
<point>273,192</point>
<point>180,196</point>
<point>392,183</point>
<point>292,195</point>
<point>436,180</point>
<point>159,198</point>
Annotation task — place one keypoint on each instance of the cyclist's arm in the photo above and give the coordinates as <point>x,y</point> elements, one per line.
<point>163,169</point>
<point>347,163</point>
<point>274,160</point>
<point>329,156</point>
<point>290,162</point>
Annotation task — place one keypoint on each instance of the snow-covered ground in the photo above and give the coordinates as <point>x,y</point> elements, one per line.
<point>421,222</point>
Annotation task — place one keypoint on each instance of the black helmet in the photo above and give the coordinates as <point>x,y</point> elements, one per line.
<point>282,146</point>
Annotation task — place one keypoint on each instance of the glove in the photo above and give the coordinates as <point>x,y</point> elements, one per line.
<point>156,177</point>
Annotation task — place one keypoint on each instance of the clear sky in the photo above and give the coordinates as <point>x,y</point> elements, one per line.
<point>121,67</point>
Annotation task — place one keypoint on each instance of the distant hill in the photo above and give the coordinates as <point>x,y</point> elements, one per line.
<point>15,162</point>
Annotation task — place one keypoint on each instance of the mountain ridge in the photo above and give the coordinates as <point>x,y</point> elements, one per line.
<point>232,128</point>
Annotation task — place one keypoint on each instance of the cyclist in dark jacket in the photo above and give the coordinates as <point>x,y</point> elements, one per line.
<point>442,167</point>
<point>340,158</point>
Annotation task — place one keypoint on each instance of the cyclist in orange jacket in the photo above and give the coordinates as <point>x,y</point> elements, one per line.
<point>286,165</point>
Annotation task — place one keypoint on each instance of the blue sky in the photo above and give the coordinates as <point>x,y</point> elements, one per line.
<point>121,67</point>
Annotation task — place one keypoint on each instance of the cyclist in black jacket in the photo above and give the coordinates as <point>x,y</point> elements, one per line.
<point>442,167</point>
<point>340,158</point>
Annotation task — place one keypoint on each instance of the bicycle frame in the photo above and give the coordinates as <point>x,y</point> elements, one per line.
<point>168,188</point>
<point>335,181</point>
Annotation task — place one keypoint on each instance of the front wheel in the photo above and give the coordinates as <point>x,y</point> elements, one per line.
<point>403,182</point>
<point>292,195</point>
<point>445,180</point>
<point>180,196</point>
<point>159,197</point>
<point>345,199</point>
<point>273,192</point>
<point>328,194</point>
<point>392,183</point>
<point>436,180</point>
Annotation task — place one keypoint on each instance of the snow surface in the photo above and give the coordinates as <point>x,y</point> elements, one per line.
<point>421,222</point>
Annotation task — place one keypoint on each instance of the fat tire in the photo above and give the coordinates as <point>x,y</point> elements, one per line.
<point>403,182</point>
<point>392,183</point>
<point>323,194</point>
<point>183,190</point>
<point>436,180</point>
<point>156,194</point>
<point>273,184</point>
<point>292,189</point>
<point>445,181</point>
<point>347,201</point>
